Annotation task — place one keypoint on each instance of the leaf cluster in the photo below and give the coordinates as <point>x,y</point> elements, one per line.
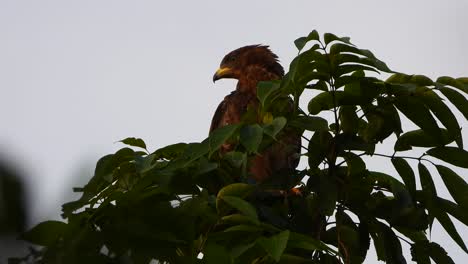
<point>186,203</point>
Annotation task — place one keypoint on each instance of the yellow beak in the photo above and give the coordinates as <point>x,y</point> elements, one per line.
<point>220,73</point>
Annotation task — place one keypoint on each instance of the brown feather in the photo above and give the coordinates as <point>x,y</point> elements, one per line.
<point>251,65</point>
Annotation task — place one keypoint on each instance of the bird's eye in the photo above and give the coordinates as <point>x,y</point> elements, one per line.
<point>231,58</point>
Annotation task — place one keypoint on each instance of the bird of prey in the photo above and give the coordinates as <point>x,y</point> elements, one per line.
<point>250,65</point>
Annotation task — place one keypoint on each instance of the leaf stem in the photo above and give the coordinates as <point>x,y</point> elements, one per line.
<point>405,157</point>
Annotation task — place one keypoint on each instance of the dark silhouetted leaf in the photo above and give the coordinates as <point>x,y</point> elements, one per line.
<point>453,209</point>
<point>419,138</point>
<point>356,165</point>
<point>457,99</point>
<point>438,254</point>
<point>420,115</point>
<point>349,119</point>
<point>214,254</point>
<point>134,142</point>
<point>448,225</point>
<point>406,173</point>
<point>311,123</point>
<point>420,252</point>
<point>452,155</point>
<point>318,147</point>
<point>329,100</point>
<point>427,182</point>
<point>443,113</point>
<point>455,184</point>
<point>391,245</point>
<point>46,233</point>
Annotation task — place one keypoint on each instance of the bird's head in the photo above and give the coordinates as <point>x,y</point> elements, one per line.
<point>236,62</point>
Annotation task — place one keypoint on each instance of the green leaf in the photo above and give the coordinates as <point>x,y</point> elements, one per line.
<point>237,219</point>
<point>134,142</point>
<point>443,113</point>
<point>300,241</point>
<point>219,136</point>
<point>329,37</point>
<point>324,101</point>
<point>235,158</point>
<point>292,259</point>
<point>455,184</point>
<point>275,245</point>
<point>398,78</point>
<point>102,174</point>
<point>251,136</point>
<point>196,150</point>
<point>170,152</point>
<point>406,173</point>
<point>264,89</point>
<point>453,155</point>
<point>421,80</point>
<point>241,205</point>
<point>241,190</point>
<point>275,127</point>
<point>369,59</point>
<point>457,99</point>
<point>46,233</point>
<point>453,82</point>
<point>352,68</point>
<point>419,114</point>
<point>244,228</point>
<point>419,138</point>
<point>343,58</point>
<point>320,85</point>
<point>302,41</point>
<point>344,48</point>
<point>311,123</point>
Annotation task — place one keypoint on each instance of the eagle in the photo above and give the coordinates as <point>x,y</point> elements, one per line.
<point>251,65</point>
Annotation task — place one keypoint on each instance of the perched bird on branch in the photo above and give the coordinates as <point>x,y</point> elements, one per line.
<point>250,65</point>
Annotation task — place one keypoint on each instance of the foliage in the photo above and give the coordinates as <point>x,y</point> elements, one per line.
<point>185,203</point>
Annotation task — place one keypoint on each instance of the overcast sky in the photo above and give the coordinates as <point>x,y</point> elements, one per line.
<point>77,76</point>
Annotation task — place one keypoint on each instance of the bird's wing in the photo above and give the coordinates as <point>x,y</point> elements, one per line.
<point>218,116</point>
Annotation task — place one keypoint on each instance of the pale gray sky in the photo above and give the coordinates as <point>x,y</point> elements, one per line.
<point>76,76</point>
